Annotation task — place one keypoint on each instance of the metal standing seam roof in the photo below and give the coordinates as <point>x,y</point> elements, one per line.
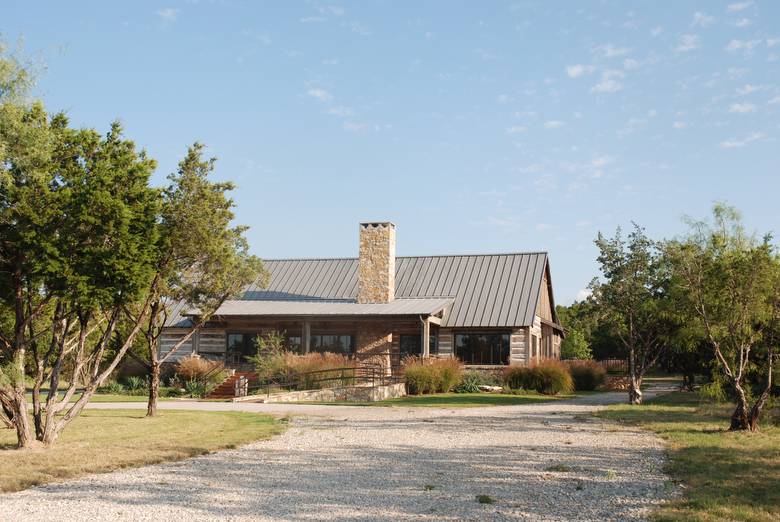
<point>410,306</point>
<point>488,290</point>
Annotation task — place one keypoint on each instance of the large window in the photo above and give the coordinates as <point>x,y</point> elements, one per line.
<point>338,343</point>
<point>482,347</point>
<point>412,345</point>
<point>240,345</point>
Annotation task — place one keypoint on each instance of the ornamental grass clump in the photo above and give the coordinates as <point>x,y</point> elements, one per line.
<point>587,375</point>
<point>424,376</point>
<point>549,377</point>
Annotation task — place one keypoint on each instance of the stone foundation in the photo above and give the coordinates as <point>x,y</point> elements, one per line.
<point>345,394</point>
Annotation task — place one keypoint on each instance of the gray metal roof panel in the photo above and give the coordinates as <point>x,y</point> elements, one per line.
<point>492,290</point>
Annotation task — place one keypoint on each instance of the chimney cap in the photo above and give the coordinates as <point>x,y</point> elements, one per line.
<point>376,224</point>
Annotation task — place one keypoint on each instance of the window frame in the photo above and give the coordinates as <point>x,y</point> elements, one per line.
<point>504,351</point>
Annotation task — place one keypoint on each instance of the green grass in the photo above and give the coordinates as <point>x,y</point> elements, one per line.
<point>105,440</point>
<point>110,397</point>
<point>726,475</point>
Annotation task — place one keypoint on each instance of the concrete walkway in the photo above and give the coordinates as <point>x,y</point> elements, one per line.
<point>550,461</point>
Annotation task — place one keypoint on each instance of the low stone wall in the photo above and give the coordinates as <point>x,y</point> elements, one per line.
<point>345,394</point>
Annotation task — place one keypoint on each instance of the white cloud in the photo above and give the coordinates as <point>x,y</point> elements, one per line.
<point>341,111</point>
<point>739,6</point>
<point>553,124</point>
<point>688,42</point>
<point>744,22</point>
<point>169,14</point>
<point>504,98</point>
<point>656,30</point>
<point>701,19</point>
<point>630,64</point>
<point>582,295</point>
<point>771,42</point>
<point>736,143</point>
<point>679,125</point>
<point>775,100</point>
<point>748,89</point>
<point>609,81</point>
<point>745,46</point>
<point>335,10</point>
<point>516,129</point>
<point>354,126</point>
<point>742,108</point>
<point>575,71</point>
<point>602,161</point>
<point>610,51</point>
<point>320,94</point>
<point>583,223</point>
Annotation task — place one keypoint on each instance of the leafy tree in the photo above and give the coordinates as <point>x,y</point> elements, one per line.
<point>575,346</point>
<point>632,300</point>
<point>77,229</point>
<point>729,281</point>
<point>201,260</point>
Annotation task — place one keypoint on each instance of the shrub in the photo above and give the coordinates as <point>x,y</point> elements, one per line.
<point>519,377</point>
<point>112,387</point>
<point>196,389</point>
<point>431,375</point>
<point>135,384</point>
<point>197,368</point>
<point>470,383</point>
<point>549,377</point>
<point>552,377</point>
<point>332,369</point>
<point>587,375</point>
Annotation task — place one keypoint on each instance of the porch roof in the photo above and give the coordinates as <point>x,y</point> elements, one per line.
<point>405,306</point>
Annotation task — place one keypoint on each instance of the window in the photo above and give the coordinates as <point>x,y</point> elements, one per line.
<point>338,343</point>
<point>482,347</point>
<point>534,347</point>
<point>412,344</point>
<point>294,343</point>
<point>240,345</point>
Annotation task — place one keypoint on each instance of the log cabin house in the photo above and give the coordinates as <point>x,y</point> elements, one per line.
<point>486,310</point>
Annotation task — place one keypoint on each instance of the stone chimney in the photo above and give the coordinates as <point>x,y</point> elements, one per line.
<point>376,264</point>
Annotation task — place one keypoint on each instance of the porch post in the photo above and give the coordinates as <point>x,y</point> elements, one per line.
<point>306,336</point>
<point>426,340</point>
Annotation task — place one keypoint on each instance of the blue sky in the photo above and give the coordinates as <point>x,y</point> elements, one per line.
<point>475,126</point>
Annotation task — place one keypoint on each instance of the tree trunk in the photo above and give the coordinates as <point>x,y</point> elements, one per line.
<point>21,421</point>
<point>154,387</point>
<point>740,419</point>
<point>634,392</point>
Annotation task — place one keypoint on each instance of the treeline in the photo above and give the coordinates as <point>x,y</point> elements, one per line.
<point>92,255</point>
<point>706,305</point>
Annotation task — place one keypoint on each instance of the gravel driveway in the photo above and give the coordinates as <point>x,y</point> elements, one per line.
<point>536,462</point>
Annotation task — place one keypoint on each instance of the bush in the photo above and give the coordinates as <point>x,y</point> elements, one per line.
<point>311,371</point>
<point>470,383</point>
<point>197,368</point>
<point>552,377</point>
<point>112,387</point>
<point>196,389</point>
<point>549,377</point>
<point>431,375</point>
<point>587,375</point>
<point>136,385</point>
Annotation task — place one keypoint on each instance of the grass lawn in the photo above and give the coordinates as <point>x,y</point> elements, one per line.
<point>727,476</point>
<point>105,440</point>
<point>112,397</point>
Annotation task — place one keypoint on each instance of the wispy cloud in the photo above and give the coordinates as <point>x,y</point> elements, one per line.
<point>610,81</point>
<point>744,22</point>
<point>168,14</point>
<point>735,143</point>
<point>749,89</point>
<point>657,30</point>
<point>516,129</point>
<point>575,71</point>
<point>701,19</point>
<point>320,94</point>
<point>340,111</point>
<point>774,101</point>
<point>745,46</point>
<point>687,43</point>
<point>742,108</point>
<point>611,51</point>
<point>679,125</point>
<point>738,6</point>
<point>553,124</point>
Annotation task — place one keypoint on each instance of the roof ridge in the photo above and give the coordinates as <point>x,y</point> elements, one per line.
<point>538,252</point>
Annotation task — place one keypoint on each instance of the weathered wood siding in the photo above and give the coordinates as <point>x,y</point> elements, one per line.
<point>545,309</point>
<point>211,342</point>
<point>518,346</point>
<point>170,338</point>
<point>446,348</point>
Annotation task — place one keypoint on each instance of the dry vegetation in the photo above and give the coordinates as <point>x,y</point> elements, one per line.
<point>105,440</point>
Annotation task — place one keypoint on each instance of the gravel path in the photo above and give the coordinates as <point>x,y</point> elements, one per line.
<point>537,462</point>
